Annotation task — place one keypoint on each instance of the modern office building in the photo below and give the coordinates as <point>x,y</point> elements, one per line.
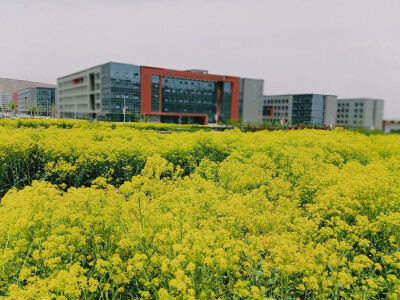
<point>300,108</point>
<point>5,99</point>
<point>41,98</point>
<point>122,92</point>
<point>360,112</point>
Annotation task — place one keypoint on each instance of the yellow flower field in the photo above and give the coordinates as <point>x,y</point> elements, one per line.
<point>113,212</point>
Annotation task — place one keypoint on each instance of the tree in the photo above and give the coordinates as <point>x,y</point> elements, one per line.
<point>129,113</point>
<point>33,110</point>
<point>53,110</point>
<point>12,106</point>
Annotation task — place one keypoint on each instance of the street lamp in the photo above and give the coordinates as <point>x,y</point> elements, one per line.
<point>124,109</point>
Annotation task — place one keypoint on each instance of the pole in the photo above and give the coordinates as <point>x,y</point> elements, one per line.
<point>124,109</point>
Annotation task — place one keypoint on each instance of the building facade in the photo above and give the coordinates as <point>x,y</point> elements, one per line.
<point>300,108</point>
<point>360,112</point>
<point>5,99</point>
<point>391,126</point>
<point>39,99</point>
<point>124,92</point>
<point>250,100</point>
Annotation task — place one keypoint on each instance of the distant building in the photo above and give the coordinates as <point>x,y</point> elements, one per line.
<point>10,86</point>
<point>117,92</point>
<point>5,99</point>
<point>360,112</point>
<point>39,98</point>
<point>250,100</point>
<point>391,126</point>
<point>300,108</point>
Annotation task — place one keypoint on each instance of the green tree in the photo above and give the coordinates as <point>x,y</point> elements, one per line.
<point>53,110</point>
<point>33,110</point>
<point>12,106</point>
<point>129,113</point>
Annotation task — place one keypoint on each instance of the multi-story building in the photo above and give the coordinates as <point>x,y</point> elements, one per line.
<point>39,98</point>
<point>391,126</point>
<point>360,112</point>
<point>121,92</point>
<point>5,99</point>
<point>250,100</point>
<point>300,108</point>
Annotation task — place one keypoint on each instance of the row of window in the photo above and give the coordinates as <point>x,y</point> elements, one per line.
<point>346,116</point>
<point>276,101</point>
<point>345,122</point>
<point>194,82</point>
<point>347,110</point>
<point>274,120</point>
<point>118,75</point>
<point>277,114</point>
<point>281,107</point>
<point>356,104</point>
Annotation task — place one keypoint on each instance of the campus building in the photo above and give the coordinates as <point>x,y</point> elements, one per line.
<point>391,126</point>
<point>123,92</point>
<point>40,99</point>
<point>360,112</point>
<point>5,99</point>
<point>299,108</point>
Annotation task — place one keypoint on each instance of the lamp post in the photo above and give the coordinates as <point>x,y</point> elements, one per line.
<point>124,109</point>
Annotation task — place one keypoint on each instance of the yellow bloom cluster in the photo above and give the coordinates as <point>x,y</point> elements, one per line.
<point>267,215</point>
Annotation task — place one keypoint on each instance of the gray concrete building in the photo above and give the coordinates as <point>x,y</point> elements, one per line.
<point>360,113</point>
<point>299,108</point>
<point>39,99</point>
<point>78,95</point>
<point>251,96</point>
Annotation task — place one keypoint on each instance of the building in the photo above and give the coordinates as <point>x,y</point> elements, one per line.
<point>250,100</point>
<point>360,112</point>
<point>300,108</point>
<point>124,92</point>
<point>391,126</point>
<point>39,99</point>
<point>5,99</point>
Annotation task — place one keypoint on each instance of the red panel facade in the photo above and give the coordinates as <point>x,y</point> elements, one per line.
<point>145,90</point>
<point>15,98</point>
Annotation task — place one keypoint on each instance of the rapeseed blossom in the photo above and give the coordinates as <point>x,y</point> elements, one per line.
<point>123,213</point>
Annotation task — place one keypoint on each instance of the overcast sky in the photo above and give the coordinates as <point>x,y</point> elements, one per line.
<point>348,48</point>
